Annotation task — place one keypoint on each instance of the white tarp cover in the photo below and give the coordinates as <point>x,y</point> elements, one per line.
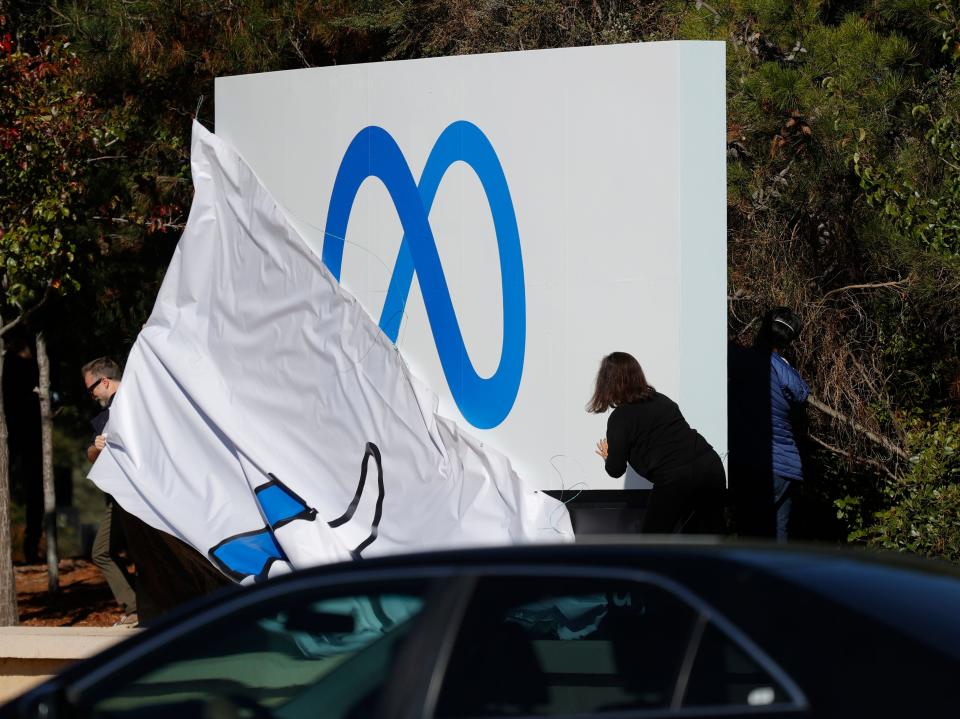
<point>266,420</point>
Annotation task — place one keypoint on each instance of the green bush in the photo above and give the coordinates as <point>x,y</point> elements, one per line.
<point>923,510</point>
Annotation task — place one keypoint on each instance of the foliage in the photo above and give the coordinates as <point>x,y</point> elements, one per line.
<point>49,132</point>
<point>922,515</point>
<point>843,204</point>
<point>843,169</point>
<point>920,194</point>
<point>456,27</point>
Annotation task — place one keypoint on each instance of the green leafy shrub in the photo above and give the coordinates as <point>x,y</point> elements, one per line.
<point>923,512</point>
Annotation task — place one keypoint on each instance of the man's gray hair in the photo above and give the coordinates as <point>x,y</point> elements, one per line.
<point>102,367</point>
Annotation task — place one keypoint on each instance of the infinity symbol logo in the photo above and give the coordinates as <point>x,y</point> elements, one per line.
<point>484,402</point>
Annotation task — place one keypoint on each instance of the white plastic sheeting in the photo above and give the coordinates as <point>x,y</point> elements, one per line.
<point>265,419</point>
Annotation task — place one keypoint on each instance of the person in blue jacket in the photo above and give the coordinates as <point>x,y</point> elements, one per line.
<point>788,393</point>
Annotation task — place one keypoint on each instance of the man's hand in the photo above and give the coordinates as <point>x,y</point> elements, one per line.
<point>602,448</point>
<point>94,450</point>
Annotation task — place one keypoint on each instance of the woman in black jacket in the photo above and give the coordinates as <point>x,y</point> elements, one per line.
<point>647,430</point>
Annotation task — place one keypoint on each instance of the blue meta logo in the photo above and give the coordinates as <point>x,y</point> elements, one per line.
<point>484,401</point>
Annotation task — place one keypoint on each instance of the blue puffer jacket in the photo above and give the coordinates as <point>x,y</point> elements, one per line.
<point>787,390</point>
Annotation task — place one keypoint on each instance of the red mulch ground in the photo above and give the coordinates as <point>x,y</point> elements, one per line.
<point>84,599</point>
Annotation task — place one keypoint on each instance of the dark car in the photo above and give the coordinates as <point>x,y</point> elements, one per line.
<point>598,630</point>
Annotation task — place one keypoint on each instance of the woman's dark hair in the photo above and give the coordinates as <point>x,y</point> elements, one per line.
<point>779,328</point>
<point>620,380</point>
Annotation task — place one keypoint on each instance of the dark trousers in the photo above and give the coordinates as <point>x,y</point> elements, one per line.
<point>783,490</point>
<point>106,556</point>
<point>688,500</point>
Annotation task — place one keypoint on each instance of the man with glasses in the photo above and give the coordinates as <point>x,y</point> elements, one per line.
<point>101,377</point>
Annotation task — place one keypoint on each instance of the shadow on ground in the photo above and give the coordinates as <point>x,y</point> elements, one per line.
<point>84,598</point>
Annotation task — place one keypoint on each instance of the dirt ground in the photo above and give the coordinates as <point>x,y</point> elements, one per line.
<point>84,599</point>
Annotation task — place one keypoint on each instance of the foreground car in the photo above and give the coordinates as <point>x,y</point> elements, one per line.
<point>625,630</point>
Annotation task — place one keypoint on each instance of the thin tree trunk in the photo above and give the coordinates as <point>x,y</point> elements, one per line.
<point>8,586</point>
<point>49,495</point>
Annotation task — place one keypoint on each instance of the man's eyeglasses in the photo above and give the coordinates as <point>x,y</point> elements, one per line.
<point>95,385</point>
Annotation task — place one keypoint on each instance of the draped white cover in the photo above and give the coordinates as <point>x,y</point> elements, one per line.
<point>255,362</point>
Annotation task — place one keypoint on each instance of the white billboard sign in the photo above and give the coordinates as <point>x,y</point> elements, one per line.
<point>509,219</point>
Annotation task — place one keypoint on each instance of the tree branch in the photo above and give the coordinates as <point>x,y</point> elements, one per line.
<point>865,460</point>
<point>887,444</point>
<point>295,42</point>
<point>866,286</point>
<point>140,223</point>
<point>26,314</point>
<point>701,4</point>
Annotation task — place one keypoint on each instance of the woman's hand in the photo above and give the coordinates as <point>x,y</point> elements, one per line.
<point>602,448</point>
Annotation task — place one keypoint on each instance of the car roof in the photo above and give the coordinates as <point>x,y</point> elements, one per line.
<point>620,548</point>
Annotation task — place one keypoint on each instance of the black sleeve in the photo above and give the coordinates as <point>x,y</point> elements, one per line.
<point>98,423</point>
<point>618,447</point>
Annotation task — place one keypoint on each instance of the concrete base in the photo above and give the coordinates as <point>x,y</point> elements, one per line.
<point>29,655</point>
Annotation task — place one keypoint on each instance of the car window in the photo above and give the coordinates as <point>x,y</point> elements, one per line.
<point>281,659</point>
<point>723,674</point>
<point>552,646</point>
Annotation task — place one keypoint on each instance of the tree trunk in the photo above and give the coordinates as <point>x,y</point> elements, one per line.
<point>8,587</point>
<point>49,496</point>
